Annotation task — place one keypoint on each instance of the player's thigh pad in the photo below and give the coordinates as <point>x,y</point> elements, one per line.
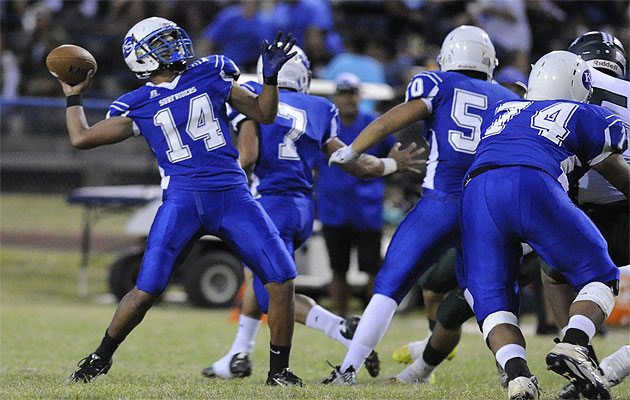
<point>562,234</point>
<point>491,248</point>
<point>175,227</point>
<point>427,231</point>
<point>250,232</point>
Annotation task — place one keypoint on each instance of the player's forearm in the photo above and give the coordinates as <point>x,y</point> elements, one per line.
<point>77,124</point>
<point>268,104</point>
<point>368,166</point>
<point>372,135</point>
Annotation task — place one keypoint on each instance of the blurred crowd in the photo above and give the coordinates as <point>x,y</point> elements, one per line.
<point>379,40</point>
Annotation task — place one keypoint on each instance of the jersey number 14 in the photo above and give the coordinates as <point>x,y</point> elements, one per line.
<point>202,124</point>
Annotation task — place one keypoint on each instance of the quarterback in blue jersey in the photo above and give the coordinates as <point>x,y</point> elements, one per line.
<point>280,158</point>
<point>181,112</point>
<point>515,191</point>
<point>450,102</point>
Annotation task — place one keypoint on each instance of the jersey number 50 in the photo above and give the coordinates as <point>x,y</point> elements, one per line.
<point>466,142</point>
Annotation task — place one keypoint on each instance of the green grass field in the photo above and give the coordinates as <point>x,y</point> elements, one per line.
<point>46,329</point>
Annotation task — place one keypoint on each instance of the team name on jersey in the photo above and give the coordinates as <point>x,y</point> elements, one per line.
<point>177,96</point>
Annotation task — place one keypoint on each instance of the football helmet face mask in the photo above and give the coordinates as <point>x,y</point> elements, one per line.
<point>468,48</point>
<point>295,74</point>
<point>601,51</point>
<point>560,75</point>
<point>155,43</point>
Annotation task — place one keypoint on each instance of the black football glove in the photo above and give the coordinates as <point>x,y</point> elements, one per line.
<point>274,56</point>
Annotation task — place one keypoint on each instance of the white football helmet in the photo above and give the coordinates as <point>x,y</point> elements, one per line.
<point>468,48</point>
<point>295,74</point>
<point>155,43</point>
<point>560,75</point>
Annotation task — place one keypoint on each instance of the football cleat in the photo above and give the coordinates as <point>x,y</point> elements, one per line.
<point>90,368</point>
<point>240,367</point>
<point>347,328</point>
<point>569,392</point>
<point>412,351</point>
<point>338,378</point>
<point>523,388</point>
<point>284,378</point>
<point>573,363</point>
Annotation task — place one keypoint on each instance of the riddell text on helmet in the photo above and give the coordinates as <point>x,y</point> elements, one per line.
<point>605,64</point>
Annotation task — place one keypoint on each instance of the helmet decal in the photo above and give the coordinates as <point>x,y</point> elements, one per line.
<point>587,79</point>
<point>127,46</point>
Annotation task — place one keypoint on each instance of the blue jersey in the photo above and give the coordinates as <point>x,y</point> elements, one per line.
<point>290,146</point>
<point>453,128</point>
<point>186,125</point>
<point>554,136</point>
<point>343,199</point>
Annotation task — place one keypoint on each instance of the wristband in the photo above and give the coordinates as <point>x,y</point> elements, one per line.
<point>74,100</point>
<point>272,80</point>
<point>389,166</point>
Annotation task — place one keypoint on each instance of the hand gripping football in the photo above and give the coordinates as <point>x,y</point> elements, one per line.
<point>70,63</point>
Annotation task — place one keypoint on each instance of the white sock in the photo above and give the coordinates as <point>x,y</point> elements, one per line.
<point>584,324</point>
<point>416,349</point>
<point>616,366</point>
<point>418,371</point>
<point>508,352</point>
<point>323,320</point>
<point>243,342</point>
<point>374,322</point>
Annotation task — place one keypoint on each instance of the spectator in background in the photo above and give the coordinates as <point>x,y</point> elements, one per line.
<point>311,23</point>
<point>508,27</point>
<point>357,62</point>
<point>10,77</point>
<point>350,208</point>
<point>237,32</point>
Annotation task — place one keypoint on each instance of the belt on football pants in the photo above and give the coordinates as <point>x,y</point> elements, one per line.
<point>485,168</point>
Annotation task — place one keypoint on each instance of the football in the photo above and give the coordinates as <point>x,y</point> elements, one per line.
<point>70,63</point>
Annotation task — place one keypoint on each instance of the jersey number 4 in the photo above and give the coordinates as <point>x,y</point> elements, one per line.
<point>202,124</point>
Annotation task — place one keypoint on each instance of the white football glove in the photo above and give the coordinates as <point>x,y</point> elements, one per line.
<point>344,155</point>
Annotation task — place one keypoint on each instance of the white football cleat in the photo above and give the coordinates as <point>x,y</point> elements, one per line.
<point>522,388</point>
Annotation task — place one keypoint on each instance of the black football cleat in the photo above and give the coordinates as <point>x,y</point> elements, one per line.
<point>338,378</point>
<point>240,367</point>
<point>372,363</point>
<point>284,378</point>
<point>90,368</point>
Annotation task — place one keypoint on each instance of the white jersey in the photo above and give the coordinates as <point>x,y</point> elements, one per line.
<point>614,94</point>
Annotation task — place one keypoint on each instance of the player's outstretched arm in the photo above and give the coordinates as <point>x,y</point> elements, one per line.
<point>392,121</point>
<point>82,136</point>
<point>616,171</point>
<point>368,166</point>
<point>264,107</point>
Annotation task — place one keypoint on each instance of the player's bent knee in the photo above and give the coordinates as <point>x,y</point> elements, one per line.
<point>497,318</point>
<point>454,311</point>
<point>600,294</point>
